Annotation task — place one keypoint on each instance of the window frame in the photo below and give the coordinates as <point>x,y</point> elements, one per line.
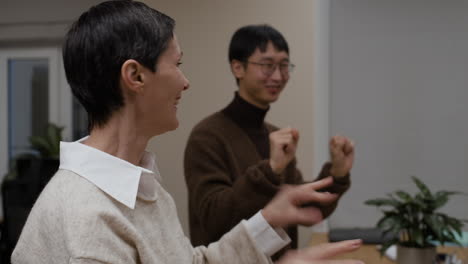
<point>60,98</point>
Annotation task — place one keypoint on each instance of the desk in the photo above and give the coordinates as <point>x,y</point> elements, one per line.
<point>370,255</point>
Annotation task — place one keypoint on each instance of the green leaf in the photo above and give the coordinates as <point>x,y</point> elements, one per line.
<point>391,222</point>
<point>455,224</point>
<point>417,237</point>
<point>421,201</point>
<point>435,224</point>
<point>442,197</point>
<point>404,196</point>
<point>54,137</point>
<point>41,145</point>
<point>49,145</point>
<point>422,187</point>
<point>381,202</point>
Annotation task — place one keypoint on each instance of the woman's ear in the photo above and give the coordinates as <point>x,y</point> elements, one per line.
<point>237,68</point>
<point>132,76</point>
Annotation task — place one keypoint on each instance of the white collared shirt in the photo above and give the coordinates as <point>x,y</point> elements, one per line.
<point>125,182</point>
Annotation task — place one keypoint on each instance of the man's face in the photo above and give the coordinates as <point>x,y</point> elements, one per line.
<point>163,91</point>
<point>258,86</point>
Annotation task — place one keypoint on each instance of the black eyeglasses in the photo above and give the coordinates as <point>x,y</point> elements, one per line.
<point>269,68</point>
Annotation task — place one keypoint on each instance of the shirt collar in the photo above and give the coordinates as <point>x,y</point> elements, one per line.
<point>118,178</point>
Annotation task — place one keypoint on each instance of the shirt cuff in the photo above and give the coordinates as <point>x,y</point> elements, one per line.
<point>267,239</point>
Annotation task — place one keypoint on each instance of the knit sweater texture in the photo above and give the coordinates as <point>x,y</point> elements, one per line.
<point>73,221</point>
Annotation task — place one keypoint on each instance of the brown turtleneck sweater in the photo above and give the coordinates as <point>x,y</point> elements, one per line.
<point>228,175</point>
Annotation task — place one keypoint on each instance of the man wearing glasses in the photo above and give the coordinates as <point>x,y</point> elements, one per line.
<point>235,162</point>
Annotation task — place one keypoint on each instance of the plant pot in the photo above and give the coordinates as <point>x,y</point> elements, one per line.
<point>407,255</point>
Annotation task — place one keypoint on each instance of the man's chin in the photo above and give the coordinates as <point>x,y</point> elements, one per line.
<point>175,125</point>
<point>272,98</point>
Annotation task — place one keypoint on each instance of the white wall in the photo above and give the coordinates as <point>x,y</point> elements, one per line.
<point>204,29</point>
<point>399,87</point>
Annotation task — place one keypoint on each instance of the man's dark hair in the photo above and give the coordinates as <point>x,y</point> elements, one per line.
<point>247,39</point>
<point>100,41</point>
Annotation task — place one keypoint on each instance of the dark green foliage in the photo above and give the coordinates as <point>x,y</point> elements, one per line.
<point>48,145</point>
<point>415,218</point>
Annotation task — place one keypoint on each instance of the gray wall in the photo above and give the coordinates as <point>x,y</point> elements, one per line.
<point>23,21</point>
<point>399,88</point>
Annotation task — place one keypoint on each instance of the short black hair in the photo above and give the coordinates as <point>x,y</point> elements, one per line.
<point>100,41</point>
<point>247,39</point>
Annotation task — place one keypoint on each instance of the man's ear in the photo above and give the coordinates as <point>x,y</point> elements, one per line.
<point>131,74</point>
<point>238,69</point>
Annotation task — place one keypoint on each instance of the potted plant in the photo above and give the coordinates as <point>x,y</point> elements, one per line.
<point>416,223</point>
<point>37,169</point>
<point>48,147</point>
<point>28,175</point>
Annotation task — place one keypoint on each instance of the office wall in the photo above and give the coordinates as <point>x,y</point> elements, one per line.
<point>399,87</point>
<point>23,21</point>
<point>204,29</point>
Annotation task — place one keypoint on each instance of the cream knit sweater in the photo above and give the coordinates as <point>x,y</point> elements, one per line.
<point>75,222</point>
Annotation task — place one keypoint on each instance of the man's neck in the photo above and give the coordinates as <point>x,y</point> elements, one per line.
<point>244,95</point>
<point>244,113</point>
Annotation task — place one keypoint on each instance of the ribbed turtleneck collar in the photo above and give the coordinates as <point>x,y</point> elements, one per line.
<point>244,113</point>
